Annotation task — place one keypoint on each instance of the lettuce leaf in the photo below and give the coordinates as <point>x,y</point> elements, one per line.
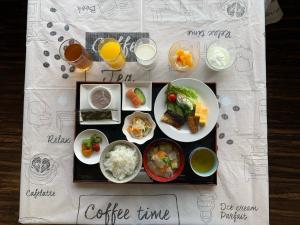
<point>186,91</point>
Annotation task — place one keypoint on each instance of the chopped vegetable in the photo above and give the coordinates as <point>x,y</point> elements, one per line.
<point>87,143</point>
<point>87,152</point>
<point>139,127</point>
<point>95,138</point>
<point>96,147</point>
<point>164,159</point>
<point>90,145</point>
<point>140,95</point>
<point>184,102</point>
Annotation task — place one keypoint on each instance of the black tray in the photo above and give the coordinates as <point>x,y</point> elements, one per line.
<point>92,173</point>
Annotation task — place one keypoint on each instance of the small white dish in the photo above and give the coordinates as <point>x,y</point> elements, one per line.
<point>92,92</point>
<point>146,88</point>
<point>115,105</point>
<point>95,157</point>
<point>108,174</point>
<point>206,96</point>
<point>127,122</point>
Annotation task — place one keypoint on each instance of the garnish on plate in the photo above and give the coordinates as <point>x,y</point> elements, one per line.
<point>183,105</point>
<point>136,97</point>
<point>90,145</point>
<point>139,127</point>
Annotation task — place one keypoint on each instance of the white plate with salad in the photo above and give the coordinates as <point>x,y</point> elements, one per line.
<point>186,110</point>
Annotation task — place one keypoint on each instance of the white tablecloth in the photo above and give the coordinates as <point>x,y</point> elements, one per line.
<point>48,194</point>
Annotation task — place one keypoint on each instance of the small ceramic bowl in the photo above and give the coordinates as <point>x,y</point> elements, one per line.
<point>224,45</point>
<point>213,168</point>
<point>92,91</point>
<point>146,159</point>
<point>95,157</point>
<point>127,122</point>
<point>108,175</point>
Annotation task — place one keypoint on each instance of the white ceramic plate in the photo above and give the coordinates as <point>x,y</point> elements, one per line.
<point>95,157</point>
<point>128,120</point>
<point>207,97</point>
<point>146,88</point>
<point>115,90</point>
<point>108,174</point>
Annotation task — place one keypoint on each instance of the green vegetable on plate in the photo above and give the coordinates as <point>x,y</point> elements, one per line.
<point>186,91</point>
<point>87,143</point>
<point>140,95</point>
<point>95,138</point>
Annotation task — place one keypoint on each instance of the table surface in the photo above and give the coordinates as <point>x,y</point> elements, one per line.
<point>283,88</point>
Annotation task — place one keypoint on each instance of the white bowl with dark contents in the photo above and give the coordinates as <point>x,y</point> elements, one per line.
<point>99,98</point>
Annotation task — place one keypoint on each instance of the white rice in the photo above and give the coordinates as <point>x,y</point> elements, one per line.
<point>121,161</point>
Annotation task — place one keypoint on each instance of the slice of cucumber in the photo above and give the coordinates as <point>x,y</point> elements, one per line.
<point>140,94</point>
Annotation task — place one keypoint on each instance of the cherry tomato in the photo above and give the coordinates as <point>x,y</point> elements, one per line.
<point>172,97</point>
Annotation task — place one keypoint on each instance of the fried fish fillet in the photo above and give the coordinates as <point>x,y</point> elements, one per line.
<point>172,119</point>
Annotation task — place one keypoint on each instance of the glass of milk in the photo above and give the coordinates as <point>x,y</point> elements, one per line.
<point>220,55</point>
<point>145,51</point>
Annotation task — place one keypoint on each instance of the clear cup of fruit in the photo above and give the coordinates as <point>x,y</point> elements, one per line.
<point>184,56</point>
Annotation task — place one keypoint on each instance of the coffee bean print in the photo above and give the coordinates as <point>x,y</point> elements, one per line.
<point>221,136</point>
<point>46,65</point>
<point>67,27</point>
<point>53,10</point>
<point>229,142</point>
<point>53,33</point>
<point>224,116</point>
<point>46,53</point>
<point>60,39</point>
<point>65,76</point>
<point>236,108</point>
<point>63,68</point>
<point>72,69</point>
<point>57,57</point>
<point>50,24</point>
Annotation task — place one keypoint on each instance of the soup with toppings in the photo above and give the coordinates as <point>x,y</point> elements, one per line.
<point>163,159</point>
<point>100,98</point>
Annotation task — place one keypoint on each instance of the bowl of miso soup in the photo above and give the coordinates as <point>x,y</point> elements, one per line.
<point>204,161</point>
<point>163,160</point>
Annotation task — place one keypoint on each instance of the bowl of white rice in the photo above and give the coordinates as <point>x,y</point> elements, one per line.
<point>120,161</point>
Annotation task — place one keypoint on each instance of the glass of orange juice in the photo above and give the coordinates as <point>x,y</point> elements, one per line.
<point>74,53</point>
<point>111,52</point>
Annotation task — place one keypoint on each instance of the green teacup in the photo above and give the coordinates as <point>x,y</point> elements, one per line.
<point>203,161</point>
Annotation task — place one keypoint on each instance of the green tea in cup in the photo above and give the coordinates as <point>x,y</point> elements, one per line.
<point>203,161</point>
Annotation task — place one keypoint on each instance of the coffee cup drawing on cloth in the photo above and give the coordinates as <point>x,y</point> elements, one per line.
<point>42,169</point>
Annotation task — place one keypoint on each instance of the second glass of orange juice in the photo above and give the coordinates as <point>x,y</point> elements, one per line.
<point>111,52</point>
